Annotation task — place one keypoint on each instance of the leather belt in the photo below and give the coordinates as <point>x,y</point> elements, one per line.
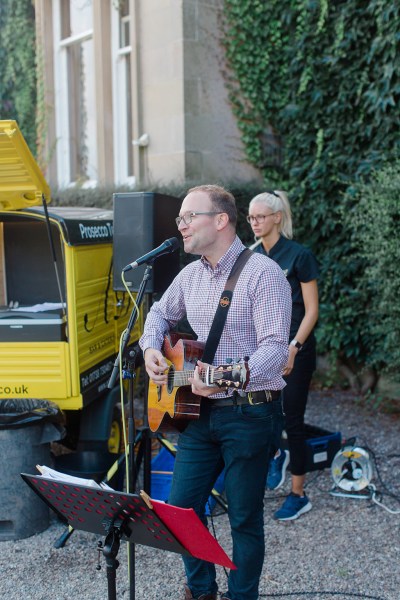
<point>251,398</point>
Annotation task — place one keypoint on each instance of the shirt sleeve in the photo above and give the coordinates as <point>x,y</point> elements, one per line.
<point>272,309</point>
<point>163,315</point>
<point>306,266</point>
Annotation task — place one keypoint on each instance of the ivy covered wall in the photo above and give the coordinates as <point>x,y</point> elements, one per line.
<point>18,66</point>
<point>315,86</point>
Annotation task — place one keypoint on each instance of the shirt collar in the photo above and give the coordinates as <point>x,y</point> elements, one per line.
<point>274,248</point>
<point>226,261</point>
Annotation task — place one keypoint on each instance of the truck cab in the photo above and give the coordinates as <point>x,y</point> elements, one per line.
<point>60,320</point>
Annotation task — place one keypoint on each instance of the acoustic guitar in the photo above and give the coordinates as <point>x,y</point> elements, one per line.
<point>170,406</point>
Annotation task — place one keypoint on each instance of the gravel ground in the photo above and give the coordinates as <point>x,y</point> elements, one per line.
<point>344,548</point>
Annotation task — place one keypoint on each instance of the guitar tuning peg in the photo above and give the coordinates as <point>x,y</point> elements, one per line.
<point>229,360</point>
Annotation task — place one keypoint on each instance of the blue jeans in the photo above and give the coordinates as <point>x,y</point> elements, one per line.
<point>240,439</point>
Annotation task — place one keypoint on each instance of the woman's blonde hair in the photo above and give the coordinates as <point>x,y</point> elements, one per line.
<point>277,201</point>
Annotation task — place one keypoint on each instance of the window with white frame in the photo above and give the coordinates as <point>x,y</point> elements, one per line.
<point>75,92</point>
<point>122,91</point>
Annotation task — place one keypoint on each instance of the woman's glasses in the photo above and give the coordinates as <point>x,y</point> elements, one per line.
<point>258,218</point>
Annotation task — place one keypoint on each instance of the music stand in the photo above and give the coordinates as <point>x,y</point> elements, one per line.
<point>133,518</point>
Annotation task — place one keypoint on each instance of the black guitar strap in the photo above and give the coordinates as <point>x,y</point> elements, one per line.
<point>222,311</point>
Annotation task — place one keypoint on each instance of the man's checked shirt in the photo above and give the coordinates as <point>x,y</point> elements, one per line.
<point>258,319</point>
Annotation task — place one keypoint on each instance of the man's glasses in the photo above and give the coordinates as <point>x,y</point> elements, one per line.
<point>188,217</point>
<point>258,218</point>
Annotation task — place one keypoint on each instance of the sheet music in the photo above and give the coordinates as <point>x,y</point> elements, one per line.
<point>53,474</point>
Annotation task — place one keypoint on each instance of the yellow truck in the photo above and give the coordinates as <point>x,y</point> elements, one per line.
<point>60,320</point>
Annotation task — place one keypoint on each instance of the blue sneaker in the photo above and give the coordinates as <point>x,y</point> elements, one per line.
<point>277,470</point>
<point>293,507</point>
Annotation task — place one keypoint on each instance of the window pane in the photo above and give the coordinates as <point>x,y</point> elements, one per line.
<point>81,16</point>
<point>124,32</point>
<point>122,92</point>
<point>124,8</point>
<point>82,117</point>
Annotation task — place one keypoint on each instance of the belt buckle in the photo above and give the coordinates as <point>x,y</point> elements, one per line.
<point>251,401</point>
<point>268,398</point>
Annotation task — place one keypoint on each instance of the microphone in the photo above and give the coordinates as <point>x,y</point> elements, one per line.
<point>166,247</point>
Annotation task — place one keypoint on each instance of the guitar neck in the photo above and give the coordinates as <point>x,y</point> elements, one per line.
<point>181,378</point>
<point>212,376</point>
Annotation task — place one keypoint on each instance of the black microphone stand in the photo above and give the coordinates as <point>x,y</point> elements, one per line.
<point>110,550</point>
<point>129,373</point>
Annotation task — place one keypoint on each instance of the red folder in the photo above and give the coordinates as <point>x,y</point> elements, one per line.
<point>191,533</point>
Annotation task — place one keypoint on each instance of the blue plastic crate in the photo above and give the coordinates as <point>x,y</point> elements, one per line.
<point>163,461</point>
<point>162,466</point>
<point>321,447</point>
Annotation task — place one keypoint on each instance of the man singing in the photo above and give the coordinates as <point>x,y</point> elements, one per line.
<point>235,431</point>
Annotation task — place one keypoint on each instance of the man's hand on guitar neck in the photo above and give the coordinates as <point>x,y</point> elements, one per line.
<point>157,369</point>
<point>156,366</point>
<point>198,386</point>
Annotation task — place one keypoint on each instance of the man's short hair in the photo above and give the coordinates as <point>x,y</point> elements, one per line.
<point>221,200</point>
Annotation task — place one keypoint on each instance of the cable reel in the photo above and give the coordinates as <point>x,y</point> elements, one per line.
<point>352,472</point>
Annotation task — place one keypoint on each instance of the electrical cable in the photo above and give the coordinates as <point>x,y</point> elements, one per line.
<point>126,449</point>
<point>374,499</point>
<point>373,494</point>
<point>130,552</point>
<point>378,474</point>
<point>342,595</point>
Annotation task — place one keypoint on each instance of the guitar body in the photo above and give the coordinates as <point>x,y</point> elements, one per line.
<point>171,406</point>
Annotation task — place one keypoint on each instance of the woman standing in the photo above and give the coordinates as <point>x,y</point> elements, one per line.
<point>271,221</point>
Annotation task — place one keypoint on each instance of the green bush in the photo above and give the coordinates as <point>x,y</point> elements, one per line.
<point>315,87</point>
<point>18,66</point>
<point>375,221</point>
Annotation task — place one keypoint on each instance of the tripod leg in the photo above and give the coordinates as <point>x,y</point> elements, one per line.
<point>64,537</point>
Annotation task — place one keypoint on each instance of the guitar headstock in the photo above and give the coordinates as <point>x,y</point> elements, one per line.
<point>230,375</point>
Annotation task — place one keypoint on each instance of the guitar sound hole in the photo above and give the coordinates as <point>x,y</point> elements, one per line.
<point>170,381</point>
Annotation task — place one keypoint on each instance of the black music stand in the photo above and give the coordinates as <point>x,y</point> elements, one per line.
<point>130,517</point>
<point>145,431</point>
